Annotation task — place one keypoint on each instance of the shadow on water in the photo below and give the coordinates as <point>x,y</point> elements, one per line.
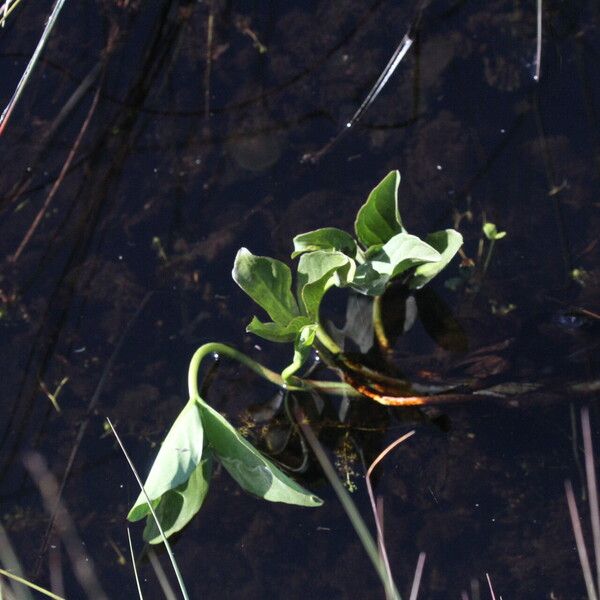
<point>194,149</point>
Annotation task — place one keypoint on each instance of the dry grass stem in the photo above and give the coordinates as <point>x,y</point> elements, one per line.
<point>580,542</point>
<point>5,116</point>
<point>83,566</point>
<point>152,511</point>
<point>135,573</point>
<point>418,574</point>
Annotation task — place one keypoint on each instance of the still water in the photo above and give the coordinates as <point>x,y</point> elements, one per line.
<point>198,116</point>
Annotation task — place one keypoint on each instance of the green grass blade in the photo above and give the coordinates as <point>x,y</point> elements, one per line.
<point>162,533</point>
<point>31,585</point>
<point>357,521</point>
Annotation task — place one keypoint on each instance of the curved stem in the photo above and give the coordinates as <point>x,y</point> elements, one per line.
<point>338,359</point>
<point>327,341</point>
<point>378,326</point>
<point>293,383</point>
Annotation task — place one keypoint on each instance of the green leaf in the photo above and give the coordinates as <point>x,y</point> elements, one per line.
<point>317,272</point>
<point>278,333</point>
<point>178,506</point>
<point>177,459</point>
<point>327,238</point>
<point>378,220</point>
<point>302,346</point>
<point>368,281</point>
<point>268,282</point>
<point>396,256</point>
<point>447,243</point>
<point>255,473</point>
<point>491,232</point>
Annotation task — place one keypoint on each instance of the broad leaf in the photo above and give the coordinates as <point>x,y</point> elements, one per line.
<point>396,256</point>
<point>317,272</point>
<point>447,243</point>
<point>178,506</point>
<point>369,281</point>
<point>268,282</point>
<point>327,238</point>
<point>255,473</point>
<point>177,459</point>
<point>378,220</point>
<point>278,333</point>
<point>302,346</point>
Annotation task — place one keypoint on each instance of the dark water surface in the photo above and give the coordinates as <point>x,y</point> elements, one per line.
<point>171,178</point>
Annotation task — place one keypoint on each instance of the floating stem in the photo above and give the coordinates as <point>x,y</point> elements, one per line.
<point>293,384</point>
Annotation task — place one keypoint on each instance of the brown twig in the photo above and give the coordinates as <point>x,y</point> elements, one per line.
<point>90,408</point>
<point>208,67</point>
<point>58,181</point>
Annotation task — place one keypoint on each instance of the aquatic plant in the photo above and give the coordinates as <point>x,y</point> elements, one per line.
<point>493,235</point>
<point>381,252</point>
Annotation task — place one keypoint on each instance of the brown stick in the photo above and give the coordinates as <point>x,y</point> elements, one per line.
<point>58,181</point>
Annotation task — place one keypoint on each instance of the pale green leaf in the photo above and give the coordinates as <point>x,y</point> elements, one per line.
<point>178,506</point>
<point>396,256</point>
<point>268,282</point>
<point>447,243</point>
<point>317,272</point>
<point>378,220</point>
<point>491,232</point>
<point>177,459</point>
<point>255,473</point>
<point>368,281</point>
<point>277,333</point>
<point>327,238</point>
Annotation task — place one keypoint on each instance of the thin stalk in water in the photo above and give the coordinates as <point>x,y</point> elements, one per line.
<point>293,384</point>
<point>349,507</point>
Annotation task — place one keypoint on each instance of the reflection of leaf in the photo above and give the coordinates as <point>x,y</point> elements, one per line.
<point>398,311</point>
<point>440,323</point>
<point>278,333</point>
<point>378,220</point>
<point>177,459</point>
<point>327,238</point>
<point>178,506</point>
<point>317,272</point>
<point>248,466</point>
<point>358,327</point>
<point>268,282</point>
<point>447,243</point>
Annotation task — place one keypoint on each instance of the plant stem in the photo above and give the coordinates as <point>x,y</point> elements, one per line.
<point>294,384</point>
<point>488,257</point>
<point>378,327</point>
<point>327,341</point>
<point>349,507</point>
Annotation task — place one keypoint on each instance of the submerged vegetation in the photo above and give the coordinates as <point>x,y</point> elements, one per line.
<point>382,252</point>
